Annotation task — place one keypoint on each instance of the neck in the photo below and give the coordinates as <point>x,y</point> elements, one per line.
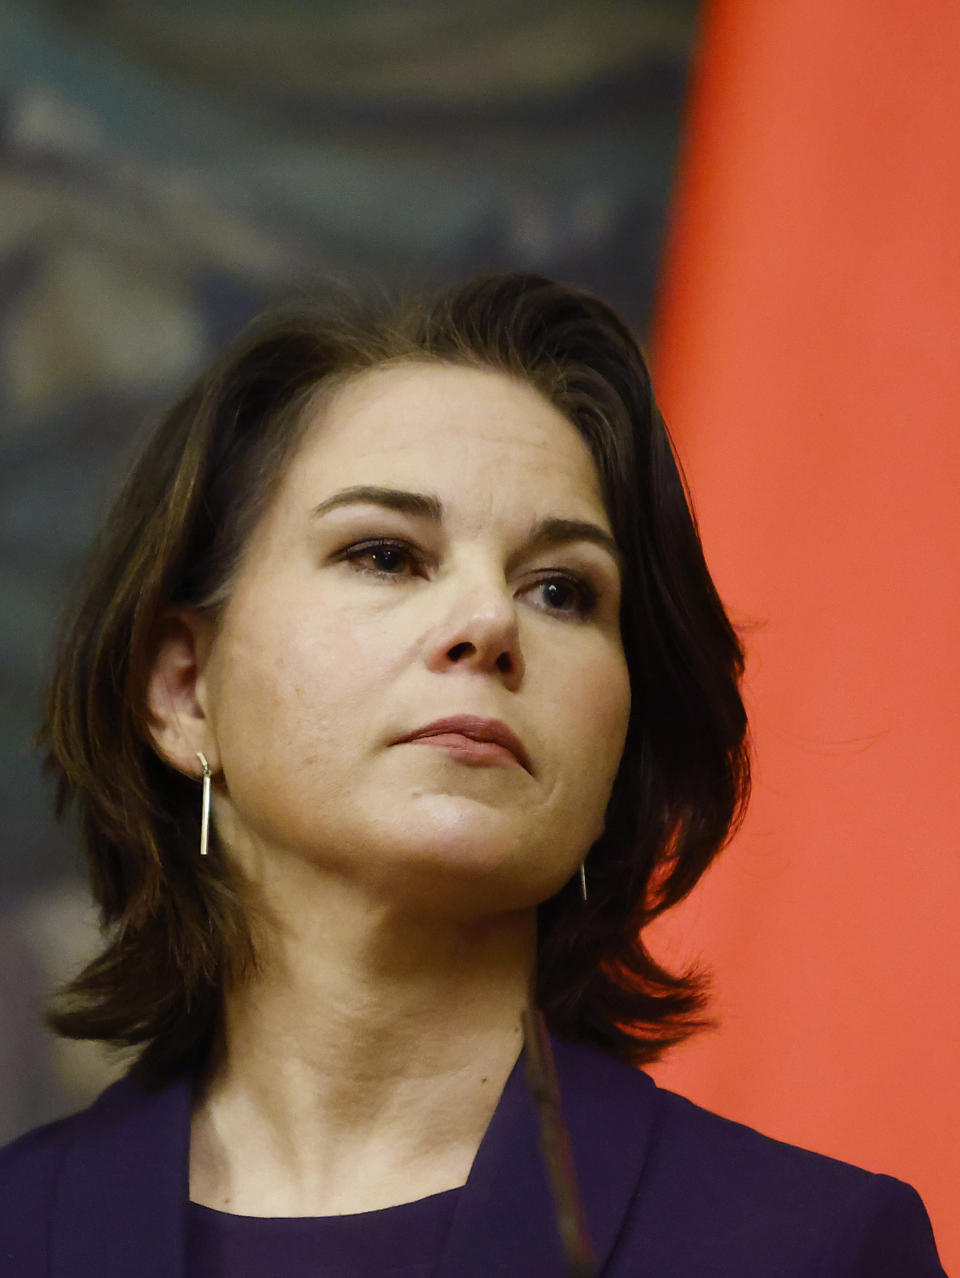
<point>363,1064</point>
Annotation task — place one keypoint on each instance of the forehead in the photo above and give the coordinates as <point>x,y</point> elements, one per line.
<point>462,427</point>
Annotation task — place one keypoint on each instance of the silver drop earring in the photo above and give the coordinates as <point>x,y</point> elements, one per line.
<point>204,805</point>
<point>583,881</point>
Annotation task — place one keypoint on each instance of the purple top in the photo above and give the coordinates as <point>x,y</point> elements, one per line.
<point>396,1242</point>
<point>667,1188</point>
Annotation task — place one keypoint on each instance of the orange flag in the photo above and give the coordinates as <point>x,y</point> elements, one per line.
<point>807,356</point>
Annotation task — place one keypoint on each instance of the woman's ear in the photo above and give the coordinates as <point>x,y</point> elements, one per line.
<point>176,691</point>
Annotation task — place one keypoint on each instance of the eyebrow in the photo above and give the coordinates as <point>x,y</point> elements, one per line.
<point>549,531</point>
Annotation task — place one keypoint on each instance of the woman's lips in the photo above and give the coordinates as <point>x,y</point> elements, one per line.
<point>460,732</point>
<point>468,750</point>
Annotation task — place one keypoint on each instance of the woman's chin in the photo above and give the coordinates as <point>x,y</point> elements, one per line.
<point>469,874</point>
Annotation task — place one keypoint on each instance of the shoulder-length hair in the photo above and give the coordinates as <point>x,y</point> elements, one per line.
<point>176,932</point>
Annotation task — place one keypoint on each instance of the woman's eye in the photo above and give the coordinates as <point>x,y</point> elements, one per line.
<point>569,596</point>
<point>382,558</point>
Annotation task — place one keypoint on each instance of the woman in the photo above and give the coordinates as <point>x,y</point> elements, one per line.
<point>414,595</point>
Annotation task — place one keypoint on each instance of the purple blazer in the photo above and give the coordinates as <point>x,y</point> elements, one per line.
<point>670,1190</point>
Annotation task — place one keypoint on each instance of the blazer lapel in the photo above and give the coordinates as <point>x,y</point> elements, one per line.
<point>505,1223</point>
<point>121,1204</point>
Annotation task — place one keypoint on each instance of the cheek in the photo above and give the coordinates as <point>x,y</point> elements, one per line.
<point>591,719</point>
<point>280,719</point>
<point>600,701</point>
<point>294,689</point>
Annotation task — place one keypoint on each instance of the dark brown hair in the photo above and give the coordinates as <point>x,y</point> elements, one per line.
<point>176,931</point>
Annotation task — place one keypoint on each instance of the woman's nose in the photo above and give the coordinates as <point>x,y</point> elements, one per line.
<point>479,632</point>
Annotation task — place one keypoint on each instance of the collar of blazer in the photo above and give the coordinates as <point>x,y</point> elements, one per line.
<point>122,1195</point>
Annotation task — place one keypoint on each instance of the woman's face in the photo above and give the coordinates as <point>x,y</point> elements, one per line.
<point>356,621</point>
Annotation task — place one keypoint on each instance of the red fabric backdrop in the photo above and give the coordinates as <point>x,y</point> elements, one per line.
<point>807,356</point>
